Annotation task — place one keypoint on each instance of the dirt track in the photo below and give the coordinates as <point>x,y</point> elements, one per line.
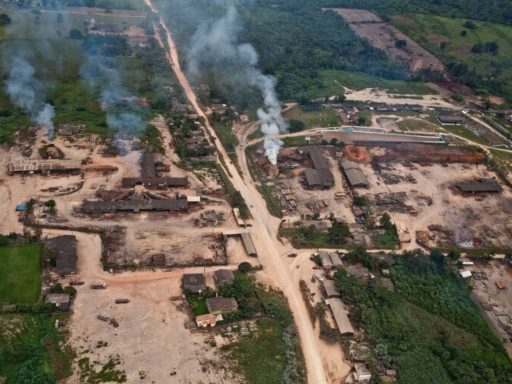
<point>149,325</point>
<point>264,231</point>
<point>384,36</point>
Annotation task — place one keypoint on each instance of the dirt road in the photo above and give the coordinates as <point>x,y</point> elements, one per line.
<point>149,325</point>
<point>264,230</point>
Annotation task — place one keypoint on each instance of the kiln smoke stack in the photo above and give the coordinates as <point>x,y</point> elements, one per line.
<point>214,47</point>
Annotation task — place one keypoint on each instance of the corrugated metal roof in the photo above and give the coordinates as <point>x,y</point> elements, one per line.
<point>354,174</point>
<point>341,316</point>
<point>135,205</point>
<point>330,288</point>
<point>319,177</point>
<point>248,244</point>
<point>483,185</point>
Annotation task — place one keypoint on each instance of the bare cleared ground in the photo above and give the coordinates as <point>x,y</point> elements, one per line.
<point>147,234</point>
<point>340,206</point>
<point>382,96</point>
<point>156,335</point>
<point>465,216</point>
<point>384,36</point>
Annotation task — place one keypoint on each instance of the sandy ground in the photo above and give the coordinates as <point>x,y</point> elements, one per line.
<point>464,216</point>
<point>340,207</point>
<point>149,325</point>
<point>382,96</point>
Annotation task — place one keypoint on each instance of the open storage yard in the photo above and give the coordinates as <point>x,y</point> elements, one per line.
<point>437,196</point>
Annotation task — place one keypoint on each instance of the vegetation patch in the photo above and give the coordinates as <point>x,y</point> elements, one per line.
<point>274,346</point>
<point>428,328</point>
<point>310,237</point>
<point>198,305</point>
<point>109,373</point>
<point>418,125</point>
<point>337,80</point>
<point>477,54</point>
<point>295,141</point>
<point>20,274</point>
<point>152,139</point>
<point>32,350</point>
<point>274,205</point>
<point>465,133</point>
<point>313,118</point>
<point>235,197</point>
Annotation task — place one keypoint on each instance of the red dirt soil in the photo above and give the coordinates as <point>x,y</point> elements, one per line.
<point>431,153</point>
<point>355,153</point>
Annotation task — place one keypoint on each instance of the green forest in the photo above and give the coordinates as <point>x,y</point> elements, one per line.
<point>299,43</point>
<point>295,44</point>
<point>499,11</point>
<point>427,328</point>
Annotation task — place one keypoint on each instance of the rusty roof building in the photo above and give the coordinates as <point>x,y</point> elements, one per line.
<point>330,288</point>
<point>149,179</point>
<point>44,166</point>
<point>147,165</point>
<point>319,178</point>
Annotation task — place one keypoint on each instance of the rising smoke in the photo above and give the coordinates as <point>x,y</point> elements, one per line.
<point>25,92</point>
<point>214,47</point>
<point>124,117</point>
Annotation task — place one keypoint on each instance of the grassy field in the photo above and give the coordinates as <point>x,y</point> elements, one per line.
<point>30,350</point>
<point>334,81</point>
<point>275,346</point>
<point>418,125</point>
<point>502,161</point>
<point>465,133</point>
<point>20,274</point>
<point>434,33</point>
<point>295,141</point>
<point>198,305</point>
<point>263,347</point>
<point>226,136</point>
<point>314,119</point>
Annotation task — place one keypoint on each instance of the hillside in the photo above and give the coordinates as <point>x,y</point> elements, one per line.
<point>478,54</point>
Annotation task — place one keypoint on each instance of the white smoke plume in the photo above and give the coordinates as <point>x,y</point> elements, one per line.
<point>124,118</point>
<point>24,91</point>
<point>45,119</point>
<point>215,46</point>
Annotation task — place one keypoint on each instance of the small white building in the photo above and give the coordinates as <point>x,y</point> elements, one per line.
<point>466,274</point>
<point>362,374</point>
